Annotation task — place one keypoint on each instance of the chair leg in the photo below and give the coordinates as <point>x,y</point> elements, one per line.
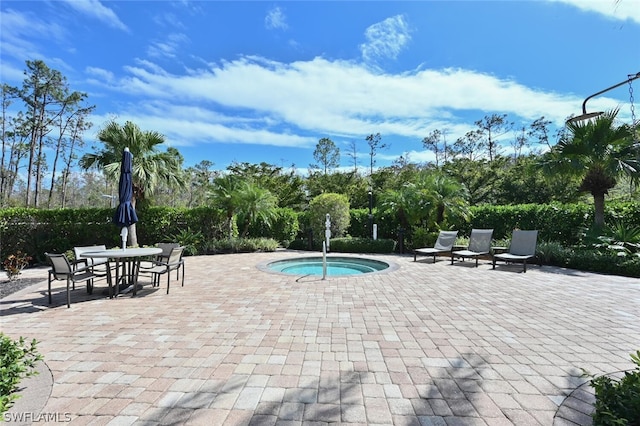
<point>68,293</point>
<point>182,267</point>
<point>494,263</point>
<point>525,265</point>
<point>49,287</point>
<point>168,279</point>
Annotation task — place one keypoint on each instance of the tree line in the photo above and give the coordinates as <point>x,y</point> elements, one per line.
<point>598,157</point>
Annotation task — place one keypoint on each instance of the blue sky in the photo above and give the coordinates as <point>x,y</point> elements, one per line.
<point>264,81</point>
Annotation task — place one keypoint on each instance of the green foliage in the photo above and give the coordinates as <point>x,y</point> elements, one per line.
<point>620,234</point>
<point>254,203</point>
<point>447,198</point>
<point>286,186</point>
<point>336,205</point>
<point>617,401</point>
<point>284,226</point>
<point>362,245</point>
<point>192,241</point>
<point>38,231</point>
<point>555,222</point>
<point>327,154</point>
<point>17,360</point>
<point>422,238</point>
<point>14,264</point>
<point>242,245</point>
<point>524,182</point>
<point>552,253</point>
<point>598,152</point>
<point>603,261</point>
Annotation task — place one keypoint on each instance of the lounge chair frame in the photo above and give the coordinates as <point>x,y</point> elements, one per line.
<point>444,244</point>
<point>479,245</point>
<point>522,248</point>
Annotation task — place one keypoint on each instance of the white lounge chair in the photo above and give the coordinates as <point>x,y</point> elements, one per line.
<point>444,244</point>
<point>479,245</point>
<point>522,248</point>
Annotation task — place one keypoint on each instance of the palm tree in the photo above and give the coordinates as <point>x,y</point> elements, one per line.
<point>597,152</point>
<point>224,195</point>
<point>151,167</point>
<point>406,203</point>
<point>255,203</point>
<point>447,196</point>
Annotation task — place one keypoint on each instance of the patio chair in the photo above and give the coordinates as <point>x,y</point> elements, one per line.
<point>479,245</point>
<point>522,248</point>
<point>444,244</point>
<point>148,264</point>
<point>172,263</point>
<point>166,251</point>
<point>99,265</point>
<point>62,269</point>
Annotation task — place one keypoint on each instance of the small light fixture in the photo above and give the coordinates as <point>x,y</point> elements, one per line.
<point>587,115</point>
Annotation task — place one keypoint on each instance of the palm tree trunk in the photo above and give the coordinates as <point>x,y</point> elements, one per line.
<point>598,203</point>
<point>133,236</point>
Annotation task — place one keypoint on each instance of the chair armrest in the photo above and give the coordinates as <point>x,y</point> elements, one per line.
<point>79,264</point>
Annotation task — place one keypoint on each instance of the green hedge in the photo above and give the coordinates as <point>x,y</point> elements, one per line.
<point>555,222</point>
<point>284,228</point>
<point>362,245</point>
<point>37,231</point>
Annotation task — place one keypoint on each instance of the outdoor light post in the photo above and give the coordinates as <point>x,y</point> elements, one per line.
<point>371,213</point>
<point>585,115</point>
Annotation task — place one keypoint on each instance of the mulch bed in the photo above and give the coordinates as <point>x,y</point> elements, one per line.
<point>8,287</point>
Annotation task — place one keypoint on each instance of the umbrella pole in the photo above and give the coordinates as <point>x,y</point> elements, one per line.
<point>124,233</point>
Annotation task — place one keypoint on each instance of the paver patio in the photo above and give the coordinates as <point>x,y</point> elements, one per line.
<point>426,344</point>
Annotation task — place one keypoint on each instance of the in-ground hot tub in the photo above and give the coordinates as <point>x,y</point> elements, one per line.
<point>336,266</point>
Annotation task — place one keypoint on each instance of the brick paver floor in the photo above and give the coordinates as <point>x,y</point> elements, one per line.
<point>424,344</point>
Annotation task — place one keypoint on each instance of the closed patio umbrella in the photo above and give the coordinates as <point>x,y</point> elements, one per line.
<point>125,214</point>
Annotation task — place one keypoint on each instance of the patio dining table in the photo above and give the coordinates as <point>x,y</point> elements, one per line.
<point>128,259</point>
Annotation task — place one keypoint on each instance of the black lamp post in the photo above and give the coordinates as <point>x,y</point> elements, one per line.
<point>585,115</point>
<point>371,213</point>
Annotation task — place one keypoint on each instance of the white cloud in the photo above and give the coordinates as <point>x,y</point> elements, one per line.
<point>345,97</point>
<point>621,10</point>
<point>99,11</point>
<point>257,101</point>
<point>386,39</point>
<point>101,74</point>
<point>19,28</point>
<point>275,19</point>
<point>169,47</point>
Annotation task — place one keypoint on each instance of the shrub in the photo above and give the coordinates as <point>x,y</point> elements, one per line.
<point>552,253</point>
<point>422,238</point>
<point>362,245</point>
<point>17,360</point>
<point>15,263</point>
<point>193,242</point>
<point>618,401</point>
<point>337,206</point>
<point>284,226</point>
<point>606,262</point>
<point>242,245</point>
